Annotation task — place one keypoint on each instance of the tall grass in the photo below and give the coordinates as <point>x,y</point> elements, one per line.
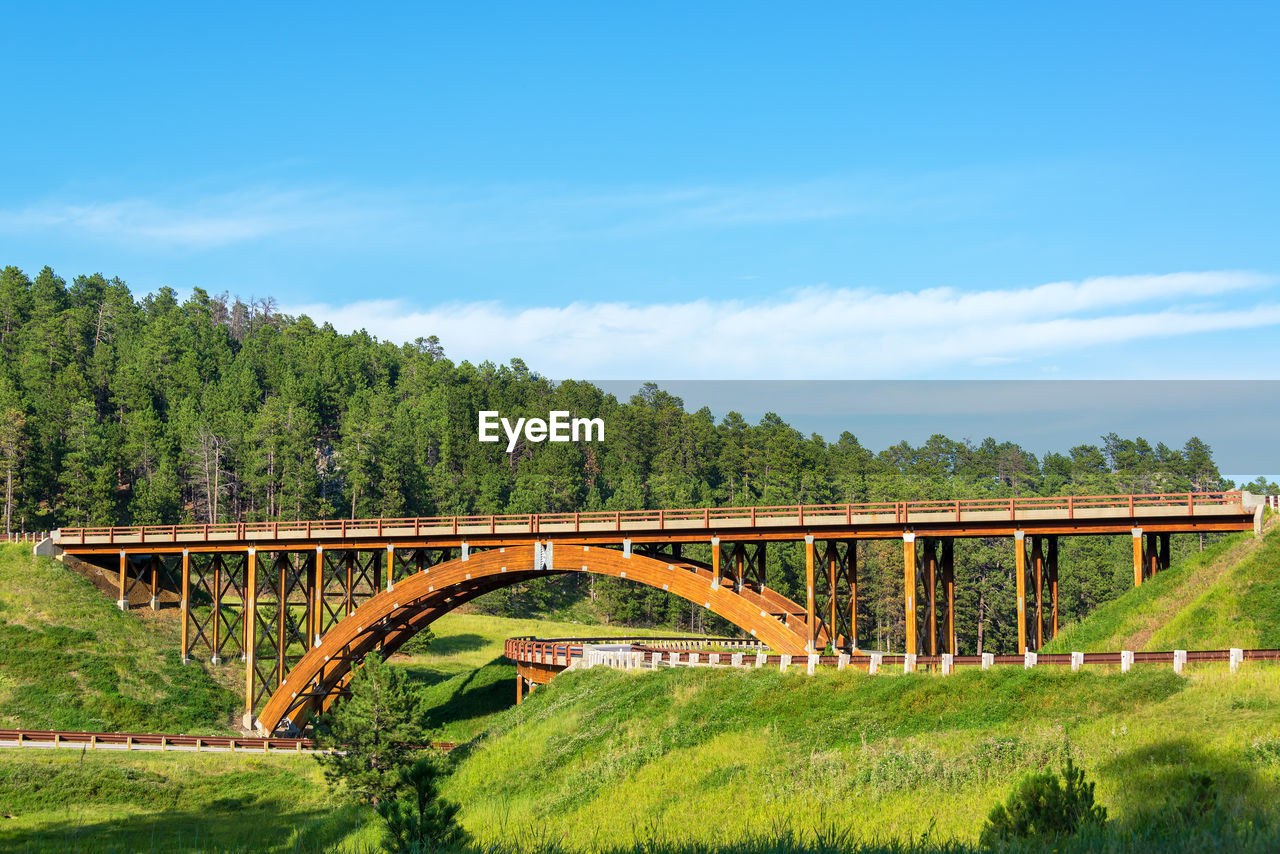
<point>70,660</point>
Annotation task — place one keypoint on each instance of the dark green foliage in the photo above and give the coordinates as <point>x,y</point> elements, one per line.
<point>420,821</point>
<point>1046,806</point>
<point>119,410</point>
<point>418,644</point>
<point>374,734</point>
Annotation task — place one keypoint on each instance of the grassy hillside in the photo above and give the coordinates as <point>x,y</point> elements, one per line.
<point>685,761</point>
<point>463,678</point>
<point>1228,595</point>
<point>55,801</point>
<point>70,660</point>
<point>602,759</point>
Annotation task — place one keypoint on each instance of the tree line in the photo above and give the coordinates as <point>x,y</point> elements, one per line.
<point>151,410</point>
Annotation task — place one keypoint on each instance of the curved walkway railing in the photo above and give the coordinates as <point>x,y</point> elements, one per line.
<point>653,653</point>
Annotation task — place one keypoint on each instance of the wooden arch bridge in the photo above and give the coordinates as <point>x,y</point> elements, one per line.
<point>301,602</point>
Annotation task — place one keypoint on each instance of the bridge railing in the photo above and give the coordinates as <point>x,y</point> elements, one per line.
<point>897,512</point>
<point>563,650</point>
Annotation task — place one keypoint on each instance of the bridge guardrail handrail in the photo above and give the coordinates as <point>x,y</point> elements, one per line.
<point>534,523</point>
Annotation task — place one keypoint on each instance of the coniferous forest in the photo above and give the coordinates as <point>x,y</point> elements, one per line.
<point>124,410</point>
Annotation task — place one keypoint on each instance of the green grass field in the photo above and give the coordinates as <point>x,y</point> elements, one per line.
<point>681,761</point>
<point>70,660</point>
<point>462,676</point>
<point>60,800</point>
<point>606,759</point>
<point>1228,595</point>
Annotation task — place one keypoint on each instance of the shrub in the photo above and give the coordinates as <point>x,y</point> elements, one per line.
<point>423,821</point>
<point>1043,805</point>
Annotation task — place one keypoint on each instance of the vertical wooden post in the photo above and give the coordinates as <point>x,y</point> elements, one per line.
<point>215,658</point>
<point>853,592</point>
<point>519,688</point>
<point>1164,552</point>
<point>1137,557</point>
<point>1020,573</point>
<point>1053,582</point>
<point>155,579</point>
<point>391,567</point>
<point>810,608</point>
<point>1153,555</point>
<point>308,585</point>
<point>739,563</point>
<point>282,616</point>
<point>909,589</point>
<point>123,603</point>
<point>715,562</point>
<point>351,562</point>
<point>833,603</point>
<point>186,605</point>
<point>317,596</point>
<point>1037,568</point>
<point>376,559</point>
<point>250,635</point>
<point>931,590</point>
<point>949,583</point>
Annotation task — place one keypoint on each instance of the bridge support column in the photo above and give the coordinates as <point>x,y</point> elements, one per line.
<point>715,562</point>
<point>811,609</point>
<point>519,688</point>
<point>250,635</point>
<point>949,586</point>
<point>315,607</point>
<point>1137,557</point>
<point>155,579</point>
<point>853,594</point>
<point>122,602</point>
<point>186,606</point>
<point>1153,555</point>
<point>1053,583</point>
<point>351,568</point>
<point>1020,574</point>
<point>1037,571</point>
<point>833,600</point>
<point>931,590</point>
<point>909,589</point>
<point>215,644</point>
<point>1164,552</point>
<point>283,568</point>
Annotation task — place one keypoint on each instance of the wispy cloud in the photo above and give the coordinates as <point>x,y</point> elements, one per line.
<point>203,223</point>
<point>449,217</point>
<point>819,333</point>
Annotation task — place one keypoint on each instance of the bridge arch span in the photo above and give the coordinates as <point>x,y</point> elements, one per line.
<point>388,619</point>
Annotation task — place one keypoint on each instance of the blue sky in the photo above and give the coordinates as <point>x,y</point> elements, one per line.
<point>682,191</point>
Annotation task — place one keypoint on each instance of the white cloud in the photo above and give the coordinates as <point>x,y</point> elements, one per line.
<point>204,223</point>
<point>822,333</point>
<point>445,218</point>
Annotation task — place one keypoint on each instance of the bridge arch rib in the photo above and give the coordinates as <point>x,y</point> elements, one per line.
<point>391,617</point>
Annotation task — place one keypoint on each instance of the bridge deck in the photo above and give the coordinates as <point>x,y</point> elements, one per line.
<point>973,517</point>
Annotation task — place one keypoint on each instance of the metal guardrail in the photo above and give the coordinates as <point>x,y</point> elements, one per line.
<point>554,651</point>
<point>895,512</point>
<point>153,741</point>
<point>694,652</point>
<point>43,738</point>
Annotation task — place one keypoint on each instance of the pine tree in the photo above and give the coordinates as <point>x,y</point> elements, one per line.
<point>371,736</point>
